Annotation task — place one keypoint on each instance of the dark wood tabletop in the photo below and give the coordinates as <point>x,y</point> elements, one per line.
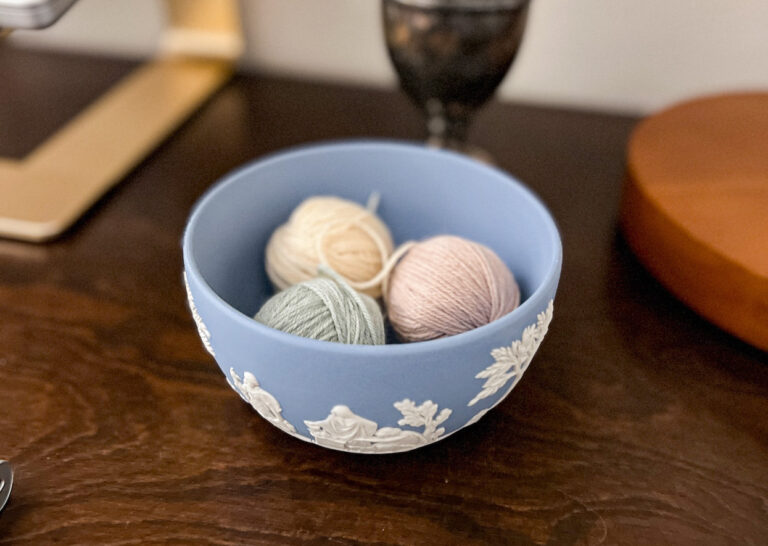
<point>637,423</point>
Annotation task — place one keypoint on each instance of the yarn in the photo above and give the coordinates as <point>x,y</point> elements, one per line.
<point>447,285</point>
<point>330,231</point>
<point>325,308</point>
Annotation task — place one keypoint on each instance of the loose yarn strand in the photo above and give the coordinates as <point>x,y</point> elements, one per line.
<point>390,265</point>
<point>373,202</point>
<point>387,264</point>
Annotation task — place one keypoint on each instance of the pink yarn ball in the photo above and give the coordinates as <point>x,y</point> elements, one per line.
<point>447,285</point>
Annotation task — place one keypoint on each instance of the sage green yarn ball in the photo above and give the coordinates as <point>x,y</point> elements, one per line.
<point>325,308</point>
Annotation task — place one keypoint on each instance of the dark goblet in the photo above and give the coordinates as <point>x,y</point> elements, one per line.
<point>450,56</point>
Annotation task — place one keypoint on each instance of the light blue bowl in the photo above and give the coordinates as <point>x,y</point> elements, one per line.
<point>368,399</point>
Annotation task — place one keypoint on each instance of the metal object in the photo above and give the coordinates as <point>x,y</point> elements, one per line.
<point>451,55</point>
<point>6,483</point>
<point>32,13</point>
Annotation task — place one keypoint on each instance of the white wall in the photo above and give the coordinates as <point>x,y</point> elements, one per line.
<point>628,55</point>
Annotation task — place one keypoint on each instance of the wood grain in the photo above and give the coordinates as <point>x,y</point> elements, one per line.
<point>695,207</point>
<point>638,423</point>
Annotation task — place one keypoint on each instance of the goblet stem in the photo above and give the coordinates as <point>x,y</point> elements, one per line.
<point>449,132</point>
<point>444,130</point>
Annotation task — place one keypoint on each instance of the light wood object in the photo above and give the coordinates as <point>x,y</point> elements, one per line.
<point>45,192</point>
<point>695,208</point>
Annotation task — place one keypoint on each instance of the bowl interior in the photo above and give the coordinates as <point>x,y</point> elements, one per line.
<point>423,192</point>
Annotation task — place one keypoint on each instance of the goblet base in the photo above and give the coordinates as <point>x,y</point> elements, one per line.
<point>475,152</point>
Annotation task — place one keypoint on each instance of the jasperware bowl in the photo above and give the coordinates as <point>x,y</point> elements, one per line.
<point>368,399</point>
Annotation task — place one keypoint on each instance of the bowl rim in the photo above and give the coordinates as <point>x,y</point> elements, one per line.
<point>535,300</point>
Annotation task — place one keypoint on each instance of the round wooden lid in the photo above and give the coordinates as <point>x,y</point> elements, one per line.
<point>695,207</point>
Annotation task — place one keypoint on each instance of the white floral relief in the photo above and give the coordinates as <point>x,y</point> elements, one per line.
<point>347,431</point>
<point>205,335</point>
<point>263,402</point>
<point>511,362</point>
<point>476,417</point>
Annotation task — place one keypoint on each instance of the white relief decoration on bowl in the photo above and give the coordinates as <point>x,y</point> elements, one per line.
<point>263,402</point>
<point>345,430</point>
<point>510,362</point>
<point>479,415</point>
<point>205,335</point>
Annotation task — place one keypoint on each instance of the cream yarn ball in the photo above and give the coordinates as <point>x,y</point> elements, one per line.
<point>325,230</point>
<point>447,285</point>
